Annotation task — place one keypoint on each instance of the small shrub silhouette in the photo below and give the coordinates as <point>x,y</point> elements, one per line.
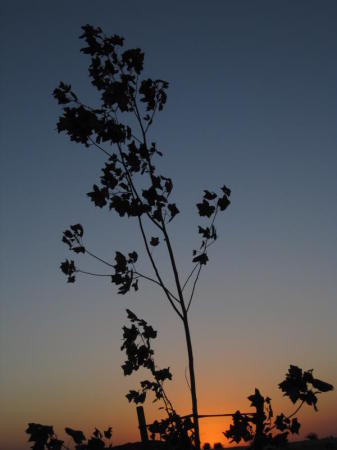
<point>260,428</point>
<point>43,437</point>
<point>175,430</point>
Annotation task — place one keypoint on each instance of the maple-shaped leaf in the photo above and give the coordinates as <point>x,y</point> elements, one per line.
<point>173,210</point>
<point>294,384</point>
<point>133,257</point>
<point>154,241</point>
<point>281,422</point>
<point>136,397</point>
<point>120,265</point>
<point>131,315</point>
<point>295,426</point>
<point>77,435</point>
<point>209,195</point>
<point>205,232</point>
<point>256,399</point>
<point>205,209</point>
<point>149,332</point>
<point>223,203</point>
<point>310,399</point>
<point>99,196</point>
<point>77,229</point>
<point>127,368</point>
<point>163,374</point>
<point>321,385</point>
<point>226,190</point>
<point>68,268</point>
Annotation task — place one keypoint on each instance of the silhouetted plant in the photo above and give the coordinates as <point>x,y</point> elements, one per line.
<point>130,184</point>
<point>43,437</point>
<point>137,345</point>
<point>175,430</point>
<point>298,385</point>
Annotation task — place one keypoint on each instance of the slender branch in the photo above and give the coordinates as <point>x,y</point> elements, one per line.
<point>136,111</point>
<point>156,269</point>
<point>188,384</point>
<point>292,414</point>
<point>136,139</point>
<point>188,278</point>
<point>98,258</point>
<point>151,119</point>
<point>194,285</point>
<point>99,147</point>
<point>93,274</point>
<point>173,264</point>
<point>140,275</point>
<point>202,416</point>
<point>200,266</point>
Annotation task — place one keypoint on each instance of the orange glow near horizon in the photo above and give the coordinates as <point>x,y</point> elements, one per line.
<point>103,406</point>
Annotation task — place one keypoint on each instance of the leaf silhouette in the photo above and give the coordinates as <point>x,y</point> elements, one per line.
<point>205,209</point>
<point>77,436</point>
<point>154,241</point>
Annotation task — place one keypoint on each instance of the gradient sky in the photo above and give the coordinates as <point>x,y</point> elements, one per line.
<point>251,103</point>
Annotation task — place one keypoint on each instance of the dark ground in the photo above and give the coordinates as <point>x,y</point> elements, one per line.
<point>319,444</point>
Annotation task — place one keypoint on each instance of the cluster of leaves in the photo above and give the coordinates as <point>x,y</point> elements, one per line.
<point>259,427</point>
<point>297,383</point>
<point>43,437</point>
<point>124,272</point>
<point>116,76</point>
<point>209,207</point>
<point>124,275</point>
<point>137,345</point>
<point>73,238</point>
<point>175,430</point>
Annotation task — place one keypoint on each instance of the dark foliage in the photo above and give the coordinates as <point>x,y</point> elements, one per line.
<point>296,386</point>
<point>115,74</point>
<point>259,428</point>
<point>44,438</point>
<point>175,430</point>
<point>137,346</point>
